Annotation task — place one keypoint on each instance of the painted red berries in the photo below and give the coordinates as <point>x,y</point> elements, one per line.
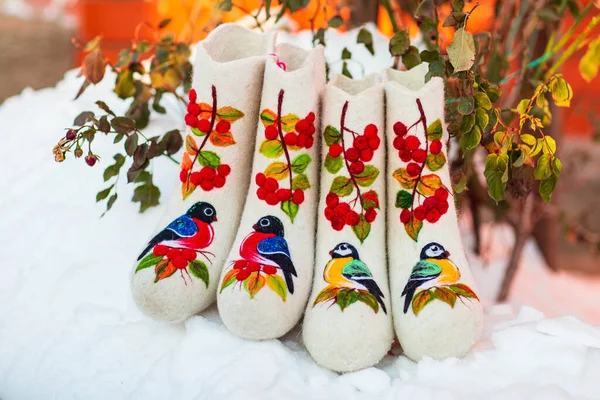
<point>335,150</point>
<point>400,129</point>
<point>271,132</point>
<point>269,191</point>
<point>245,268</point>
<point>223,127</point>
<point>203,125</point>
<point>207,178</point>
<point>431,210</point>
<point>180,257</point>
<point>435,147</point>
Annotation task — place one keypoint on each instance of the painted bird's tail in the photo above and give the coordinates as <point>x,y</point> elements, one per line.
<point>409,292</point>
<point>372,287</point>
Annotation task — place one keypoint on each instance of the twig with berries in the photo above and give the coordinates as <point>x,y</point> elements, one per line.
<point>200,167</point>
<point>167,260</point>
<point>253,276</point>
<point>426,190</point>
<point>88,125</point>
<point>285,134</point>
<point>353,158</point>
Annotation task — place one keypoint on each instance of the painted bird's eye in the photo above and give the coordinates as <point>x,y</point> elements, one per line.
<point>209,212</point>
<point>264,222</point>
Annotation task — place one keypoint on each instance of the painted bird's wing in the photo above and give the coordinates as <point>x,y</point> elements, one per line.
<point>422,272</point>
<point>357,271</point>
<point>276,249</point>
<point>179,228</point>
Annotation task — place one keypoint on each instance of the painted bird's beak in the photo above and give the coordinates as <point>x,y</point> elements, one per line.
<point>215,218</point>
<point>254,226</point>
<point>447,253</point>
<point>330,252</point>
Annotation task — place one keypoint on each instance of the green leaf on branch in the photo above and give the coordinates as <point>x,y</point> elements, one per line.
<point>435,130</point>
<point>471,139</point>
<point>300,163</point>
<point>435,162</point>
<point>333,164</point>
<point>101,195</point>
<point>562,93</point>
<point>466,105</point>
<point>483,101</point>
<point>271,148</point>
<point>342,186</point>
<point>461,51</point>
<point>404,199</point>
<point>543,170</point>
<point>290,209</point>
<point>147,195</point>
<point>411,58</point>
<point>496,175</point>
<point>399,43</point>
<point>209,159</point>
<point>365,37</point>
<point>199,270</point>
<point>335,22</point>
<point>301,182</point>
<point>547,187</point>
<point>331,135</point>
<point>367,176</point>
<point>362,229</point>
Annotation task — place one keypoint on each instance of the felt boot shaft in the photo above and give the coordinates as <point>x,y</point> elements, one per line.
<point>348,321</point>
<point>435,306</point>
<point>177,273</point>
<point>267,278</point>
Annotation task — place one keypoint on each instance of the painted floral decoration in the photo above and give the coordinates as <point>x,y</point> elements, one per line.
<point>167,260</point>
<point>200,167</point>
<point>361,211</point>
<point>423,197</point>
<point>284,182</point>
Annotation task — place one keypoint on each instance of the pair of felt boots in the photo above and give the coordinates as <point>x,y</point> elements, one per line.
<point>289,231</point>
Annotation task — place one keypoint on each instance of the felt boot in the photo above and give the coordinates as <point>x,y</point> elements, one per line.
<point>348,321</point>
<point>177,272</point>
<point>266,281</point>
<point>435,306</point>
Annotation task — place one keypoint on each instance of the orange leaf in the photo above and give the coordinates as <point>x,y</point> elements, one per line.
<point>463,290</point>
<point>445,295</point>
<point>164,269</point>
<point>190,145</point>
<point>277,170</point>
<point>186,161</point>
<point>420,300</point>
<point>230,278</point>
<point>229,114</point>
<point>268,117</point>
<point>413,227</point>
<point>405,180</point>
<point>205,111</point>
<point>254,283</point>
<point>187,188</point>
<point>221,139</point>
<point>428,184</point>
<point>328,293</point>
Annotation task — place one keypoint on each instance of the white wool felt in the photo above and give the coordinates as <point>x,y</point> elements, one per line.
<point>229,69</point>
<point>345,326</point>
<point>444,317</point>
<point>267,263</point>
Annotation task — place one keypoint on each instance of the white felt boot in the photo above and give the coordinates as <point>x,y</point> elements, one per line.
<point>348,322</point>
<point>436,310</point>
<point>266,281</point>
<point>177,273</point>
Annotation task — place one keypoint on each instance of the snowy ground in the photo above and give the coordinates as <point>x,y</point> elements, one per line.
<point>69,329</point>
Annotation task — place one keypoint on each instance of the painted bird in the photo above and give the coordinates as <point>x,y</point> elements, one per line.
<point>193,230</point>
<point>345,269</point>
<point>434,268</point>
<point>267,246</point>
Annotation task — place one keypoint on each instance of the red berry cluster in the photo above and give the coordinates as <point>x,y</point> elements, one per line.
<point>409,149</point>
<point>272,194</point>
<point>179,257</point>
<point>341,214</point>
<point>303,137</point>
<point>362,149</point>
<point>432,209</point>
<point>207,178</point>
<point>248,267</point>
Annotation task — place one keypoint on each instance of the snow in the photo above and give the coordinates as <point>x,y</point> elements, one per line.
<point>69,329</point>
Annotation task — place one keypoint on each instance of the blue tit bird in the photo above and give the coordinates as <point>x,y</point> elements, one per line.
<point>434,268</point>
<point>346,270</point>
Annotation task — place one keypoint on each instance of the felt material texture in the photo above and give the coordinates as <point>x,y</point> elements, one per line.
<point>348,320</point>
<point>266,282</point>
<point>172,285</point>
<point>436,310</point>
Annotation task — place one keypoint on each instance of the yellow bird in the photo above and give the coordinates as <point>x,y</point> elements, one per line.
<point>434,268</point>
<point>346,270</point>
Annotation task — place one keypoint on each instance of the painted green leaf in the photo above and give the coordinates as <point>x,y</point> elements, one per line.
<point>268,117</point>
<point>209,159</point>
<point>229,279</point>
<point>346,297</point>
<point>404,199</point>
<point>362,229</point>
<point>148,261</point>
<point>413,227</point>
<point>277,284</point>
<point>300,181</point>
<point>290,209</point>
<point>435,161</point>
<point>254,283</point>
<point>420,300</point>
<point>342,186</point>
<point>367,177</point>
<point>300,163</point>
<point>197,132</point>
<point>435,130</point>
<point>199,270</point>
<point>288,122</point>
<point>229,114</point>
<point>445,295</point>
<point>368,299</point>
<point>271,148</point>
<point>331,135</point>
<point>463,290</point>
<point>461,51</point>
<point>333,164</point>
<point>326,294</point>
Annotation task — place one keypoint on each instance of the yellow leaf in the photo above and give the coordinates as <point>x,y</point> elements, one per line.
<point>428,184</point>
<point>405,180</point>
<point>277,170</point>
<point>420,300</point>
<point>413,227</point>
<point>222,139</point>
<point>254,283</point>
<point>588,66</point>
<point>462,50</point>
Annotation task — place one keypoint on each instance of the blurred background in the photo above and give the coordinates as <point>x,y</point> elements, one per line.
<point>37,49</point>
